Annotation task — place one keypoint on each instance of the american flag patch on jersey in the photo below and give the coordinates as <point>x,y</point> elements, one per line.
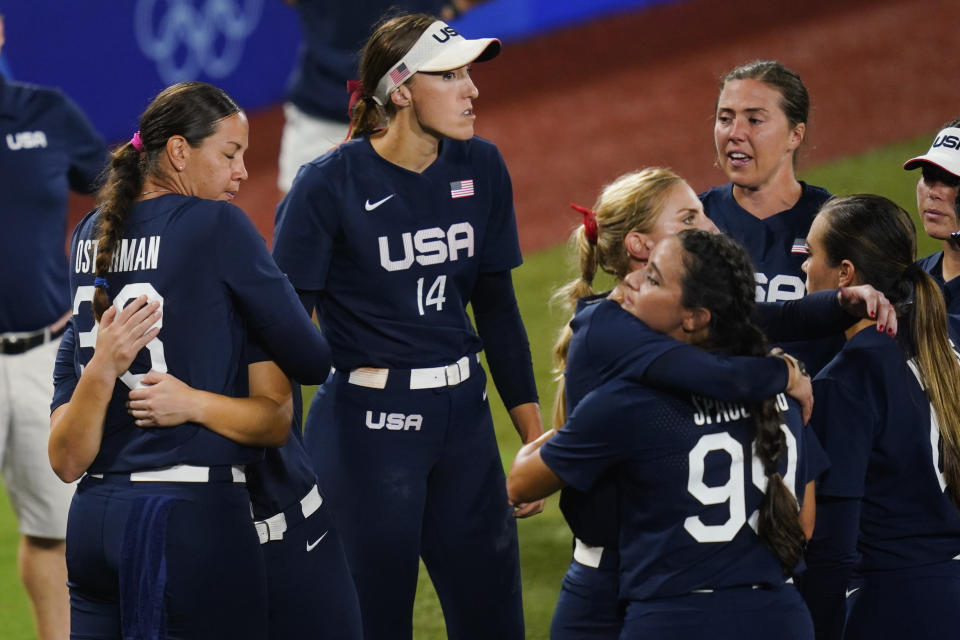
<point>399,74</point>
<point>462,189</point>
<point>800,246</point>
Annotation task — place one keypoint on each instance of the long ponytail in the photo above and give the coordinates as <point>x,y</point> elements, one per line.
<point>879,238</point>
<point>188,109</point>
<point>632,202</point>
<point>939,371</point>
<point>719,277</point>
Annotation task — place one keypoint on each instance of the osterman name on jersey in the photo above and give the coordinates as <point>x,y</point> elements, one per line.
<point>133,254</point>
<point>711,411</point>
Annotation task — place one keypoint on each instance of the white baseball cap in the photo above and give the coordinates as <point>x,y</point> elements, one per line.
<point>944,152</point>
<point>440,48</point>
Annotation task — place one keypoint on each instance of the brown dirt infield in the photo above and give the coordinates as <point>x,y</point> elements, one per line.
<point>574,109</point>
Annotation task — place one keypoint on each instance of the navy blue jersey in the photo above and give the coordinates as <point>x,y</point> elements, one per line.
<point>333,35</point>
<point>777,248</point>
<point>608,342</point>
<point>397,253</point>
<point>47,147</point>
<point>774,243</point>
<point>286,474</point>
<point>689,485</point>
<point>874,421</point>
<point>933,264</point>
<point>211,269</point>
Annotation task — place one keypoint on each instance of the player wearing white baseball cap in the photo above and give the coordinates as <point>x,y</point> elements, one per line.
<point>939,209</point>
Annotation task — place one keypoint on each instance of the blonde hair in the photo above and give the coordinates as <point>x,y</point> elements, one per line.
<point>632,202</point>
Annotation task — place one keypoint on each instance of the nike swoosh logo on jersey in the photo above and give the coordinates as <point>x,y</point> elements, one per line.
<point>850,592</point>
<point>310,547</point>
<point>371,206</point>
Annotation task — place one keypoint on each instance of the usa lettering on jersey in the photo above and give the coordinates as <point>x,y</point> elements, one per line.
<point>428,246</point>
<point>26,140</point>
<point>394,421</point>
<point>133,254</point>
<point>779,288</point>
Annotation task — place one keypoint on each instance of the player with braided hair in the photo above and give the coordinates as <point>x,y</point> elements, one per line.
<point>686,549</point>
<point>938,203</point>
<point>631,215</point>
<point>888,414</point>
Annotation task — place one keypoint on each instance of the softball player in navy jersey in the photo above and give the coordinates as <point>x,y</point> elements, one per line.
<point>297,533</point>
<point>761,120</point>
<point>47,148</point>
<point>938,204</point>
<point>390,236</point>
<point>888,414</point>
<point>690,558</point>
<point>298,536</point>
<point>603,342</point>
<point>160,542</point>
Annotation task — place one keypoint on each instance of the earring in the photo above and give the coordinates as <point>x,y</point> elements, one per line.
<point>180,168</point>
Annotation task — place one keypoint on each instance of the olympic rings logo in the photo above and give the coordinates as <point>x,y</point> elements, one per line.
<point>186,39</point>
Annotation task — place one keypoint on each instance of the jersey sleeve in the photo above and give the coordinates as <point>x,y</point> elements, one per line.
<point>64,372</point>
<point>501,246</point>
<point>816,315</point>
<point>268,301</point>
<point>843,423</point>
<point>305,227</point>
<point>815,459</point>
<point>87,151</point>
<point>634,351</point>
<point>593,440</point>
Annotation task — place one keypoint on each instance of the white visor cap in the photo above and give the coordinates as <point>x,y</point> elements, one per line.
<point>440,48</point>
<point>944,152</point>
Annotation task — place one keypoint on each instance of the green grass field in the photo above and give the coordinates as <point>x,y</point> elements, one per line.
<point>544,539</point>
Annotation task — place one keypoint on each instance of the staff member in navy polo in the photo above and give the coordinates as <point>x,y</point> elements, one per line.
<point>47,147</point>
<point>389,236</point>
<point>938,205</point>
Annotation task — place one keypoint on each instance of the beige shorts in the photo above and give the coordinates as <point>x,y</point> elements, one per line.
<point>40,499</point>
<point>305,138</point>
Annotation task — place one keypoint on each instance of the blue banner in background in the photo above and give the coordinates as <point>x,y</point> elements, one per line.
<point>112,57</point>
<point>511,20</point>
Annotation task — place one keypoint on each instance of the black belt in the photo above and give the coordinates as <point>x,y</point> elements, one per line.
<point>13,343</point>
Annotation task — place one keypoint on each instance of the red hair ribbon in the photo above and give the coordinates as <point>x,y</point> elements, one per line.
<point>355,89</point>
<point>589,222</point>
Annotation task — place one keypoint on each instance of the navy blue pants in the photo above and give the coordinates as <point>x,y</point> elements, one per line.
<point>726,614</point>
<point>157,560</point>
<point>311,593</point>
<point>918,603</point>
<point>417,473</point>
<point>589,607</point>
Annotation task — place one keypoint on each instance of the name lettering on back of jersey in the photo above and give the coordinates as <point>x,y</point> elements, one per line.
<point>712,411</point>
<point>133,254</point>
<point>427,246</point>
<point>394,421</point>
<point>26,140</point>
<point>780,287</point>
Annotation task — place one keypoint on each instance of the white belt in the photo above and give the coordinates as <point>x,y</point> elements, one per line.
<point>585,554</point>
<point>275,526</point>
<point>179,473</point>
<point>426,378</point>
